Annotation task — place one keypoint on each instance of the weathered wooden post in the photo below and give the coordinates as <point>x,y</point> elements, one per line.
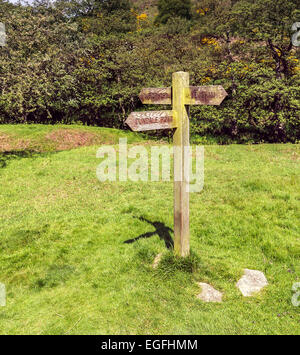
<point>181,143</point>
<point>180,96</point>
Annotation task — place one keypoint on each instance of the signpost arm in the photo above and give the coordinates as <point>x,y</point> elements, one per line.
<point>181,166</point>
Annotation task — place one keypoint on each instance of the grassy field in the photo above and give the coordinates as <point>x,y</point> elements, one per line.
<point>67,269</point>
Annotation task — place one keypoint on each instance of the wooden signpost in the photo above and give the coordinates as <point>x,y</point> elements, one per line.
<point>180,95</point>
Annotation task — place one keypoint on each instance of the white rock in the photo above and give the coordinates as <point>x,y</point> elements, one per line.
<point>251,282</point>
<point>209,294</point>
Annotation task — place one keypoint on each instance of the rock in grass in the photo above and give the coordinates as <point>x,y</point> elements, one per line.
<point>251,282</point>
<point>209,294</point>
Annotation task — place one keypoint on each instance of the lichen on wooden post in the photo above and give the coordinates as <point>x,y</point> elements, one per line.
<point>181,167</point>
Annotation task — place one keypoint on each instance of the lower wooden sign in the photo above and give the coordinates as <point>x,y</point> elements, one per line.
<point>151,120</point>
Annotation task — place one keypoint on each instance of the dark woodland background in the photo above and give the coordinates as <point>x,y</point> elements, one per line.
<point>86,61</point>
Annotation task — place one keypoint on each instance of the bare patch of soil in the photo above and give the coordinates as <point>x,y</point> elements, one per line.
<point>8,144</point>
<point>4,142</point>
<point>65,139</point>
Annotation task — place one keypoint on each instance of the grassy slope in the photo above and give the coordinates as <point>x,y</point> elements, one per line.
<point>41,138</point>
<point>67,269</point>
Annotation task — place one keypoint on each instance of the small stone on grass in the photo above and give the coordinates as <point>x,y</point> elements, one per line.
<point>209,294</point>
<point>251,282</point>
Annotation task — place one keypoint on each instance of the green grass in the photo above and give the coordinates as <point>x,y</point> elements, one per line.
<point>66,267</point>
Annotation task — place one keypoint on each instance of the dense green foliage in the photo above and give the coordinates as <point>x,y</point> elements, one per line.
<point>169,9</point>
<point>86,61</point>
<point>113,5</point>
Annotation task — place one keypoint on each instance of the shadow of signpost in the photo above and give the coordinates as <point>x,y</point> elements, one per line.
<point>14,154</point>
<point>10,155</point>
<point>160,229</point>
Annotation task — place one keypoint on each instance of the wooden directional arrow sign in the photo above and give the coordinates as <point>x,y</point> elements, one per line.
<point>156,96</point>
<point>193,95</point>
<point>151,120</point>
<point>204,95</point>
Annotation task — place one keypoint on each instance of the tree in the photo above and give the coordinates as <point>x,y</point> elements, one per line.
<point>257,58</point>
<point>263,24</point>
<point>114,5</point>
<point>271,23</point>
<point>169,9</point>
<point>88,8</point>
